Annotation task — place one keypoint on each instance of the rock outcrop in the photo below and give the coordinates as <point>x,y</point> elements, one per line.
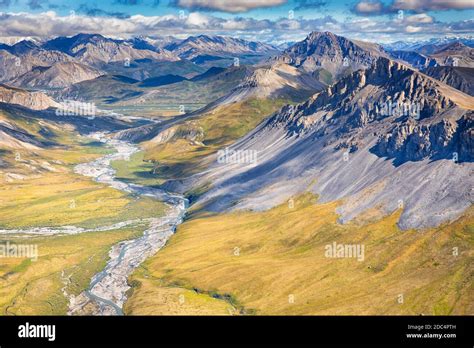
<point>457,77</point>
<point>31,100</point>
<point>414,59</point>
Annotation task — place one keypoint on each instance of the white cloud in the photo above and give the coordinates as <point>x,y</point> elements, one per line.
<point>377,7</point>
<point>427,5</point>
<point>227,6</point>
<point>420,18</point>
<point>363,23</point>
<point>411,29</point>
<point>49,24</point>
<point>368,7</point>
<point>198,20</point>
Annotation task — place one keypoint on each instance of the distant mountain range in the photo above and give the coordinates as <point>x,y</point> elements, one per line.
<point>96,50</point>
<point>454,54</point>
<point>24,63</point>
<point>415,59</point>
<point>451,63</point>
<point>65,61</point>
<point>428,46</point>
<point>195,46</point>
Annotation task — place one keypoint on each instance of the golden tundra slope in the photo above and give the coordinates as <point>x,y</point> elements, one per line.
<point>274,262</point>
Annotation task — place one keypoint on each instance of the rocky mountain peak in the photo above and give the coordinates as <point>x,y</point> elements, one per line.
<point>455,46</point>
<point>336,54</point>
<point>68,44</point>
<point>23,47</point>
<point>388,100</point>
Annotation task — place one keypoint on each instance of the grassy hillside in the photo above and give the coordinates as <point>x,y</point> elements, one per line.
<point>34,132</point>
<point>104,89</point>
<point>193,92</point>
<point>141,69</point>
<point>156,298</point>
<point>137,170</point>
<point>274,262</point>
<point>194,140</point>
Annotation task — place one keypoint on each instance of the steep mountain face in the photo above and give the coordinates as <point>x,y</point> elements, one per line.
<point>10,66</point>
<point>416,60</point>
<point>276,81</point>
<point>22,57</point>
<point>413,142</point>
<point>455,54</point>
<point>459,78</point>
<point>31,100</point>
<point>335,54</point>
<point>59,75</point>
<point>380,139</point>
<point>95,50</point>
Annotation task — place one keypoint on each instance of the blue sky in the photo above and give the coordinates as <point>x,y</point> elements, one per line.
<point>268,20</point>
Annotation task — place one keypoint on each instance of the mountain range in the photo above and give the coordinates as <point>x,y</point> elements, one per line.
<point>428,46</point>
<point>303,144</point>
<point>455,54</point>
<point>279,151</point>
<point>24,63</point>
<point>215,47</point>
